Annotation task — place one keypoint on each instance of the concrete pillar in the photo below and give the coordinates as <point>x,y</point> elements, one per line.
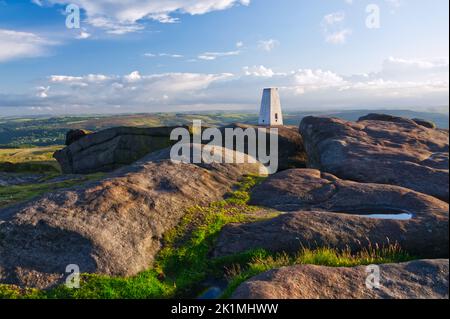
<point>270,114</point>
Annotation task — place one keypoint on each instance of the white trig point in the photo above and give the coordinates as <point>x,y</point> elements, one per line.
<point>270,114</point>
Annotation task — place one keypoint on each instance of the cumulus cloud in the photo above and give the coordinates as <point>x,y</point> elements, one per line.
<point>210,56</point>
<point>83,35</point>
<point>133,90</point>
<point>43,91</point>
<point>415,69</point>
<point>259,71</point>
<point>123,16</point>
<point>17,44</point>
<point>398,83</point>
<point>169,55</point>
<point>308,80</point>
<point>268,45</point>
<point>333,28</point>
<point>338,37</point>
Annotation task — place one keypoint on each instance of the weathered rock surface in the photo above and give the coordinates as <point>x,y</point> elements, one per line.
<point>74,135</point>
<point>422,279</point>
<point>112,226</point>
<point>10,179</point>
<point>380,149</point>
<point>291,153</point>
<point>110,149</point>
<point>331,214</point>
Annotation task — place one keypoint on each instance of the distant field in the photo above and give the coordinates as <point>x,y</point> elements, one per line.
<point>26,132</point>
<point>45,131</point>
<point>34,159</point>
<point>35,154</point>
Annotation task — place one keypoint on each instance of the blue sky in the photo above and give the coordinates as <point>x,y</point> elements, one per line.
<point>187,55</point>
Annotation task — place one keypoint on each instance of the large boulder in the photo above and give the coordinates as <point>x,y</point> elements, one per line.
<point>110,149</point>
<point>330,212</point>
<point>380,149</point>
<point>291,153</point>
<point>113,226</point>
<point>422,279</point>
<point>74,135</point>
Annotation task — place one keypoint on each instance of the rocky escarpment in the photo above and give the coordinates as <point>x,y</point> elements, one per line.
<point>110,149</point>
<point>427,279</point>
<point>291,152</point>
<point>380,149</point>
<point>112,226</point>
<point>330,212</point>
<point>382,180</point>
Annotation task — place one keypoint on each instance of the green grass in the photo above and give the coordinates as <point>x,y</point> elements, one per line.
<point>34,160</point>
<point>29,160</point>
<point>322,257</point>
<point>183,265</point>
<point>18,193</point>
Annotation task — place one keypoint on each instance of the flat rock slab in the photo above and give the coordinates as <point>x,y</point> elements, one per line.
<point>113,226</point>
<point>422,279</point>
<point>335,213</point>
<point>11,179</point>
<point>291,153</point>
<point>385,150</point>
<point>107,150</point>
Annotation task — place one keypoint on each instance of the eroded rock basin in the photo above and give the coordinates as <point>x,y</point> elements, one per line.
<point>325,211</point>
<point>411,280</point>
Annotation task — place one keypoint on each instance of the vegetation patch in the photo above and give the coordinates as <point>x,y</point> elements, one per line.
<point>29,160</point>
<point>183,266</point>
<point>18,193</point>
<point>322,257</point>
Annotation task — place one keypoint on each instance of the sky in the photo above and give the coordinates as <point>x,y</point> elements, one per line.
<point>124,56</point>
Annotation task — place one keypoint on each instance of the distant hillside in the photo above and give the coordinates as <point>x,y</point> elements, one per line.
<point>45,131</point>
<point>441,120</point>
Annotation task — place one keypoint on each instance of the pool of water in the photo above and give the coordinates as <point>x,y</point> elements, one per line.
<point>403,216</point>
<point>211,293</point>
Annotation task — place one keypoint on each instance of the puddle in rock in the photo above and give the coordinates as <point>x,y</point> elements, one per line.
<point>389,216</point>
<point>211,293</point>
<point>214,289</point>
<point>380,213</point>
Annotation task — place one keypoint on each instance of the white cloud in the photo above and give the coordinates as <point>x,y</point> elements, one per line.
<point>393,67</point>
<point>43,91</point>
<point>333,18</point>
<point>338,37</point>
<point>98,90</point>
<point>258,71</point>
<point>16,44</point>
<point>123,16</point>
<point>239,44</point>
<point>268,45</point>
<point>394,3</point>
<point>398,83</point>
<point>83,35</point>
<point>333,28</point>
<point>308,80</point>
<point>169,55</point>
<point>209,56</point>
<point>133,77</point>
<point>175,56</point>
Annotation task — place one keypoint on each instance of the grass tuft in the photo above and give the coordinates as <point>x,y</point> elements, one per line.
<point>322,257</point>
